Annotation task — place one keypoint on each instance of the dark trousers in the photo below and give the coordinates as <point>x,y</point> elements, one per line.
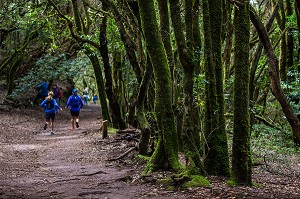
<point>37,97</point>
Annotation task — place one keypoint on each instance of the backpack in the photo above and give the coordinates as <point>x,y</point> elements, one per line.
<point>75,102</point>
<point>50,104</point>
<point>60,93</point>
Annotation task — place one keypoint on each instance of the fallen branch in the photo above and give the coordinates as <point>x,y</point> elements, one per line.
<point>66,180</point>
<point>266,122</point>
<point>91,174</point>
<point>124,154</point>
<point>128,131</point>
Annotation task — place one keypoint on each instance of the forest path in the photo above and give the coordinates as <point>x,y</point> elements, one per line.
<point>73,164</point>
<point>68,164</point>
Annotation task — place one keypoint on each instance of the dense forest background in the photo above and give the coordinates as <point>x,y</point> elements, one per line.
<point>216,80</point>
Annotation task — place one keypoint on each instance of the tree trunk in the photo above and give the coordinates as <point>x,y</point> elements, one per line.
<point>95,63</point>
<point>113,101</point>
<point>281,21</point>
<point>274,76</point>
<point>241,155</point>
<point>219,163</point>
<point>166,151</point>
<point>254,64</point>
<point>100,84</point>
<point>190,137</point>
<point>129,44</point>
<point>141,118</point>
<point>289,36</point>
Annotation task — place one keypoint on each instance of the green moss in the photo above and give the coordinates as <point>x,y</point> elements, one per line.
<point>258,185</point>
<point>197,181</point>
<point>112,130</point>
<point>170,188</point>
<point>231,182</point>
<point>150,167</point>
<point>143,157</point>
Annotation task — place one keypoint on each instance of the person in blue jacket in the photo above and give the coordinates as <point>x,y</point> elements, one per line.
<point>75,102</point>
<point>50,105</point>
<point>95,98</point>
<point>42,89</point>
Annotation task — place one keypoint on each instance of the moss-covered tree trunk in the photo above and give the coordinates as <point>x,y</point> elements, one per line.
<point>185,47</point>
<point>215,140</point>
<point>165,31</point>
<point>113,100</point>
<point>99,81</point>
<point>166,151</point>
<point>241,155</point>
<point>140,113</point>
<point>95,63</point>
<point>218,159</point>
<point>118,81</point>
<point>281,21</point>
<point>289,36</point>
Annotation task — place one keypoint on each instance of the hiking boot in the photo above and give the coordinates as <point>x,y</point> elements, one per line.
<point>51,133</point>
<point>45,127</point>
<point>77,125</point>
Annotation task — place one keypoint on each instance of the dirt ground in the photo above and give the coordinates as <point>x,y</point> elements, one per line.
<point>74,164</point>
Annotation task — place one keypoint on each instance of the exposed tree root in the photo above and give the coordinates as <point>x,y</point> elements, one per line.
<point>124,154</point>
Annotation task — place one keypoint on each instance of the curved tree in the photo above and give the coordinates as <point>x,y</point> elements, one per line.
<point>274,76</point>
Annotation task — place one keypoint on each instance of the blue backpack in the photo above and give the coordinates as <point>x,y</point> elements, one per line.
<point>50,104</point>
<point>75,102</point>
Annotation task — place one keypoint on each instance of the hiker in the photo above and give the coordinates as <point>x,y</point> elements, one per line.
<point>42,89</point>
<point>50,105</point>
<point>86,96</point>
<point>95,98</point>
<point>75,102</point>
<point>56,92</point>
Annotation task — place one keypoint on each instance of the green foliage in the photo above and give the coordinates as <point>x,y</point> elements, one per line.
<point>51,68</point>
<point>291,88</point>
<point>275,149</point>
<point>199,89</point>
<point>267,140</point>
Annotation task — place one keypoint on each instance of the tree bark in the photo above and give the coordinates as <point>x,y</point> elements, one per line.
<point>185,47</point>
<point>219,159</point>
<point>241,155</point>
<point>141,118</point>
<point>166,151</point>
<point>113,101</point>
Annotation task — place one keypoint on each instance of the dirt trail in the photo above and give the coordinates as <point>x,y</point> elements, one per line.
<point>69,164</point>
<point>73,164</point>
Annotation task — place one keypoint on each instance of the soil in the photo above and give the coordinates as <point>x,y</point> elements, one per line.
<point>75,164</point>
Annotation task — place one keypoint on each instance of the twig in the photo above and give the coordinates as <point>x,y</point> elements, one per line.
<point>124,154</point>
<point>66,180</point>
